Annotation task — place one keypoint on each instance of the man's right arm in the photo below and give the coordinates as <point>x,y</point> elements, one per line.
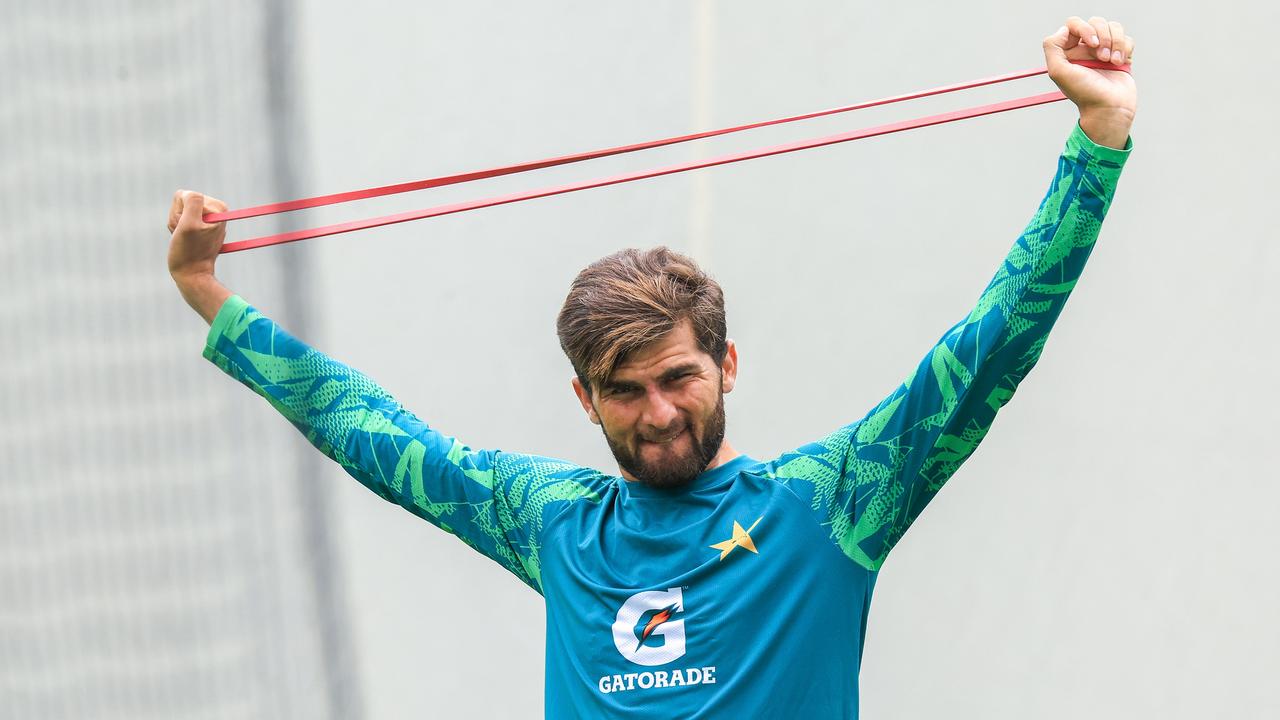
<point>494,501</point>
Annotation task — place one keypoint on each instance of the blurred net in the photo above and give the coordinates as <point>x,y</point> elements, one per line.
<point>161,554</point>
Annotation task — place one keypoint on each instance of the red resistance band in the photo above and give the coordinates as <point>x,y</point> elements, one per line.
<point>443,180</point>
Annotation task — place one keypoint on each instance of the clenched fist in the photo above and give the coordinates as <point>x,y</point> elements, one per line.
<point>194,247</point>
<point>193,250</point>
<point>1107,99</point>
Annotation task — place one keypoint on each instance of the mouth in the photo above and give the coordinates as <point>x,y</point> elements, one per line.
<point>664,440</point>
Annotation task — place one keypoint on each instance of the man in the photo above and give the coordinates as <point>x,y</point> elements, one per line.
<point>701,582</point>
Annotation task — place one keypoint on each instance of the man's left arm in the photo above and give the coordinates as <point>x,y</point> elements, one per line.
<point>870,480</point>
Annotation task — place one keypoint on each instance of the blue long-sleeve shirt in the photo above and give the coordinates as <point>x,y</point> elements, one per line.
<point>746,593</point>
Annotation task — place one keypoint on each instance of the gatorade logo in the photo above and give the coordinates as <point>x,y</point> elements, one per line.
<point>636,641</point>
<point>643,620</point>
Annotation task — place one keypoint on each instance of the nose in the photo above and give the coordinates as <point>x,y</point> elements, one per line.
<point>659,412</point>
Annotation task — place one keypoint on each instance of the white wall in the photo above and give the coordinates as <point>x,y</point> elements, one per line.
<point>1109,552</point>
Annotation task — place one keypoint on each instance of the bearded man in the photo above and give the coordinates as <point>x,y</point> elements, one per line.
<point>698,582</point>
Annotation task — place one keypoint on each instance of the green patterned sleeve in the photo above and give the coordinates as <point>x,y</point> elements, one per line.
<point>869,481</point>
<point>496,502</point>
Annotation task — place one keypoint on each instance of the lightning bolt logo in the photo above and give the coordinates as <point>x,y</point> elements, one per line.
<point>658,618</point>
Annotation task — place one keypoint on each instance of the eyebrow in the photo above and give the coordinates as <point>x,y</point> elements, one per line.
<point>619,385</point>
<point>667,375</point>
<point>678,370</point>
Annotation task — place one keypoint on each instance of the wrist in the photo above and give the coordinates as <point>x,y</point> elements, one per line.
<point>192,273</point>
<point>1107,126</point>
<point>202,291</point>
<point>192,278</point>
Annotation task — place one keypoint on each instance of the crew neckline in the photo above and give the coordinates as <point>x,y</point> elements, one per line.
<point>707,480</point>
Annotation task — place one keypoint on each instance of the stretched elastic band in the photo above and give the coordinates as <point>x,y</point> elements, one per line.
<point>578,157</point>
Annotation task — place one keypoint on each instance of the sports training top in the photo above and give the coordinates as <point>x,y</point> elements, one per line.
<point>744,595</point>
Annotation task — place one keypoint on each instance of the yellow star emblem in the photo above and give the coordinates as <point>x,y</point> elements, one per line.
<point>741,539</point>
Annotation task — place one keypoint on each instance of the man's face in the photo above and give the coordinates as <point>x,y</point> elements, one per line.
<point>662,410</point>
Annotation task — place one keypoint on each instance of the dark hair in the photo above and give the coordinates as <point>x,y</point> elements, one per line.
<point>627,300</point>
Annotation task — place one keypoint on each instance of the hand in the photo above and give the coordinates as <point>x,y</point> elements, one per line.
<point>193,250</point>
<point>1107,99</point>
<point>195,244</point>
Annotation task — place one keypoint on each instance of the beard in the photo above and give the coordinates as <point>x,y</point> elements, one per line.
<point>673,473</point>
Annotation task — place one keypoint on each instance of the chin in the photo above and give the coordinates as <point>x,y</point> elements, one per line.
<point>672,471</point>
<point>666,480</point>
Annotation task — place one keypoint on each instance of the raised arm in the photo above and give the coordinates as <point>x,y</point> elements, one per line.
<point>868,481</point>
<point>497,502</point>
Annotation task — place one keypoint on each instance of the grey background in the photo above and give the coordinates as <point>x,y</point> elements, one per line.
<point>160,555</point>
<point>1109,551</point>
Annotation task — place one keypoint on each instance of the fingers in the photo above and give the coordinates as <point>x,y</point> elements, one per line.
<point>1117,43</point>
<point>192,206</point>
<point>1054,48</point>
<point>1062,40</point>
<point>192,210</point>
<point>1103,32</point>
<point>1103,29</point>
<point>175,210</point>
<point>1095,38</point>
<point>1082,33</point>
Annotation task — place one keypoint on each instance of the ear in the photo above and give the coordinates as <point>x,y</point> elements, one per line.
<point>729,366</point>
<point>584,397</point>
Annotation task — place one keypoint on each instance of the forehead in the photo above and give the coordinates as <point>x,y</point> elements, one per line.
<point>678,347</point>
